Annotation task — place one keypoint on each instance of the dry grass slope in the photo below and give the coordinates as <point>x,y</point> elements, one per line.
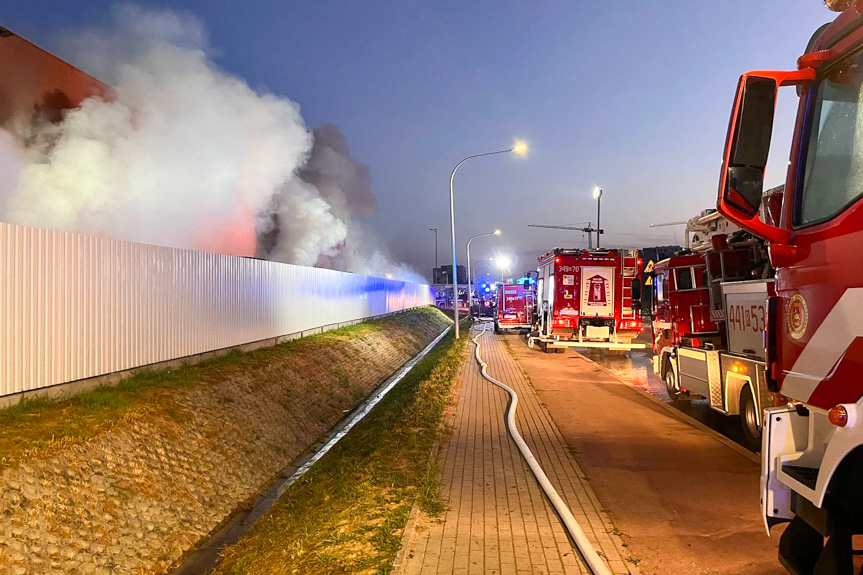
<point>128,478</point>
<point>348,513</point>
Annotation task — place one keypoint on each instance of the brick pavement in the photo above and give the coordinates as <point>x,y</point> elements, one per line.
<point>497,519</point>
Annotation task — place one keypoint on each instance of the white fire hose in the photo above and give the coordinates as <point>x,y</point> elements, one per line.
<point>594,562</point>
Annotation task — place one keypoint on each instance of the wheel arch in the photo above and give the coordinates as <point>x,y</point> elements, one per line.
<point>842,458</point>
<point>735,385</point>
<point>666,358</point>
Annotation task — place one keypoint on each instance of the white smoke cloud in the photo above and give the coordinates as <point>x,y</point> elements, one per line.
<point>184,154</point>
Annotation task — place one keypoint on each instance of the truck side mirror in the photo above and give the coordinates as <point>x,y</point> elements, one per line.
<point>753,128</point>
<point>747,146</point>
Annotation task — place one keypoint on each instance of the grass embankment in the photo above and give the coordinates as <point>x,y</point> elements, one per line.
<point>33,425</point>
<point>347,514</point>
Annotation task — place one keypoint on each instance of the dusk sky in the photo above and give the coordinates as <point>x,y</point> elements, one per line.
<point>632,96</point>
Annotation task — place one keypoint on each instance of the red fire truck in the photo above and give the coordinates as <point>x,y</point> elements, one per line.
<point>584,299</point>
<point>515,304</point>
<point>812,450</point>
<point>708,327</point>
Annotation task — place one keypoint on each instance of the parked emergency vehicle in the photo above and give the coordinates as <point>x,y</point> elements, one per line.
<point>812,450</point>
<point>585,299</point>
<point>515,304</point>
<point>708,327</point>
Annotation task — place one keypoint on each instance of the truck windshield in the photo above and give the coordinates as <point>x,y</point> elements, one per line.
<point>834,165</point>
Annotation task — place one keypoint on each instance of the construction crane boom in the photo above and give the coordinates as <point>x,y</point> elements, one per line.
<point>589,229</point>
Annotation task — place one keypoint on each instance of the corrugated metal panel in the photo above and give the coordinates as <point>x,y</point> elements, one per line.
<point>75,306</point>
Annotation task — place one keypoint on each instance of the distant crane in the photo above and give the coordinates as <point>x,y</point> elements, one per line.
<point>588,229</point>
<point>678,223</point>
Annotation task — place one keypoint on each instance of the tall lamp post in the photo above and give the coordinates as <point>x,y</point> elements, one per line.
<point>435,252</point>
<point>503,262</point>
<point>597,195</point>
<point>518,149</point>
<point>469,283</point>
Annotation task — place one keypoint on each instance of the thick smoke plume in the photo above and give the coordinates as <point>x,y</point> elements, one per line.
<point>186,155</point>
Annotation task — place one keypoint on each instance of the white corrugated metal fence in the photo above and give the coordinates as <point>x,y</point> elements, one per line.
<point>75,306</point>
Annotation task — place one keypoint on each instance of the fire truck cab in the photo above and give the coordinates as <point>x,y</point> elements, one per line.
<point>585,299</point>
<point>681,301</point>
<point>812,449</point>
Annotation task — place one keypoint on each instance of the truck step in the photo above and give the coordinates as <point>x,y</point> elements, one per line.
<point>805,475</point>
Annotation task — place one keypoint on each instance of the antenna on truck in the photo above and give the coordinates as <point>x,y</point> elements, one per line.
<point>588,229</point>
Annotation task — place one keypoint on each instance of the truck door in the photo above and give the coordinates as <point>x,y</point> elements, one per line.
<point>540,304</point>
<point>821,301</point>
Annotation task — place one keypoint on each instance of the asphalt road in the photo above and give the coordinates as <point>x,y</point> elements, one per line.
<point>636,368</point>
<point>683,501</point>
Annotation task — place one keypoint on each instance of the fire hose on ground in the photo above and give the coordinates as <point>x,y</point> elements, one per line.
<point>593,560</point>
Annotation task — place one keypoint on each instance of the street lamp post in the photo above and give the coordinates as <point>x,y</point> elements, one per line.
<point>518,148</point>
<point>435,251</point>
<point>503,262</point>
<point>469,283</point>
<point>597,194</point>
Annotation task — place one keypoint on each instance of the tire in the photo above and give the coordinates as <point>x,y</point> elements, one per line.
<point>497,328</point>
<point>749,420</point>
<point>673,393</point>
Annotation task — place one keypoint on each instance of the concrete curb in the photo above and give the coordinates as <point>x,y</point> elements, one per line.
<point>753,457</point>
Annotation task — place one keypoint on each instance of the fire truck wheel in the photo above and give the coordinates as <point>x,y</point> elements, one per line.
<point>844,503</point>
<point>673,394</point>
<point>799,547</point>
<point>497,328</point>
<point>749,419</point>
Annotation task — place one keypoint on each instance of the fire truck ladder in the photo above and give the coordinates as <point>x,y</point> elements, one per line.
<point>588,229</point>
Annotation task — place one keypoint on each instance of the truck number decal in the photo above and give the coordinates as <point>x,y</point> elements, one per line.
<point>743,318</point>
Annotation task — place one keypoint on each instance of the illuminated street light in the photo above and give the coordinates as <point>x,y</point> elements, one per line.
<point>503,262</point>
<point>518,148</point>
<point>597,195</point>
<point>469,283</point>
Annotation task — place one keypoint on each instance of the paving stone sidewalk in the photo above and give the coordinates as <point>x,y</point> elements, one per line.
<point>497,519</point>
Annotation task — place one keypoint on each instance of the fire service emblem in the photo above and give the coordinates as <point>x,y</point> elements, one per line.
<point>597,291</point>
<point>798,316</point>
